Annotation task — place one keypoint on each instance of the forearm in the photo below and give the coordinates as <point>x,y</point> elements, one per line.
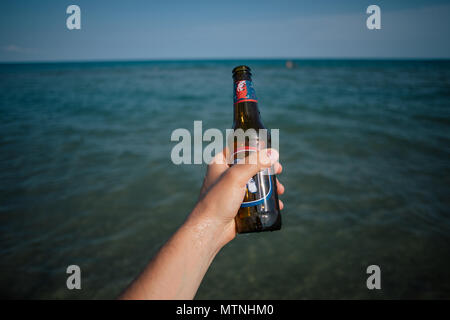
<point>178,268</point>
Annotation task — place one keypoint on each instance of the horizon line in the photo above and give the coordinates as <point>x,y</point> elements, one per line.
<point>224,59</point>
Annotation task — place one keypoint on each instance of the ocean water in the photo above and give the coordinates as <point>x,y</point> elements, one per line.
<point>86,176</point>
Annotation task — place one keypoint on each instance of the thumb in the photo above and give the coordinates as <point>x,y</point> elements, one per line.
<point>252,164</point>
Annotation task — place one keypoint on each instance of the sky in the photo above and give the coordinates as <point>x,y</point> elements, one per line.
<point>32,30</point>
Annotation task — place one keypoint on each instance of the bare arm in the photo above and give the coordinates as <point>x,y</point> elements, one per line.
<point>179,267</point>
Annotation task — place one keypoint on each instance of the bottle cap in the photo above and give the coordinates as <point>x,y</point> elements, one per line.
<point>241,69</point>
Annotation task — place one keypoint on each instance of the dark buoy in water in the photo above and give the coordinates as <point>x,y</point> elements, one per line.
<point>290,64</point>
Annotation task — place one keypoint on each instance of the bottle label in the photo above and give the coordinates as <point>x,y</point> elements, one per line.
<point>243,91</point>
<point>259,187</point>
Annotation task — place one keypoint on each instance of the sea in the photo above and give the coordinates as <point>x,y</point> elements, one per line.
<point>86,176</point>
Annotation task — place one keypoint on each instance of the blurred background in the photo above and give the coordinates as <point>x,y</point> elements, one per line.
<point>86,117</point>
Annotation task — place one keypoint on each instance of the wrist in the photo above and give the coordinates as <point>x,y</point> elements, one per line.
<point>211,232</point>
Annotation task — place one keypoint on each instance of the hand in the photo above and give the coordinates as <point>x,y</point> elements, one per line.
<point>224,188</point>
<point>180,265</point>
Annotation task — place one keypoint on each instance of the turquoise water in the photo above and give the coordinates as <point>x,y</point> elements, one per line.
<point>86,176</point>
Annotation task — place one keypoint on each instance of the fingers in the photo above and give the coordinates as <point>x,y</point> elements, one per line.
<point>220,159</point>
<point>218,165</point>
<point>280,190</point>
<point>252,164</point>
<point>280,187</point>
<point>278,168</point>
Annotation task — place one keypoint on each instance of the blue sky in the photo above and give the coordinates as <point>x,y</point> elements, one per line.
<point>137,29</point>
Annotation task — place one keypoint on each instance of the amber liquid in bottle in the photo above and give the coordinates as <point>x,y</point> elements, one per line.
<point>260,208</point>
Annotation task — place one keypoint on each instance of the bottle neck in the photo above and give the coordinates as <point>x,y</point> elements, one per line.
<point>246,116</point>
<point>246,112</point>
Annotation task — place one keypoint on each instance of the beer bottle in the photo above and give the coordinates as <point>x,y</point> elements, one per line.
<point>260,208</point>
